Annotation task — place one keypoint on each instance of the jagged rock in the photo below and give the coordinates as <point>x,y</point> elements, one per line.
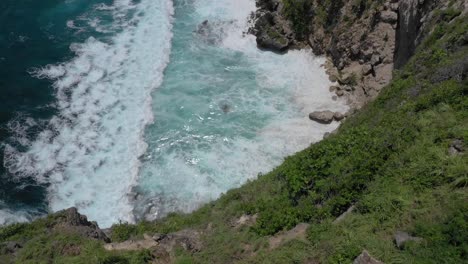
<point>71,220</point>
<point>385,35</point>
<point>457,71</point>
<point>131,245</point>
<point>456,148</point>
<point>347,78</point>
<point>348,88</point>
<point>366,258</point>
<point>298,232</point>
<point>402,237</point>
<point>375,60</point>
<point>161,245</point>
<point>334,88</point>
<point>270,5</point>
<point>244,220</point>
<point>367,54</point>
<point>268,33</point>
<point>355,50</point>
<point>323,117</point>
<point>204,28</point>
<point>389,17</point>
<point>366,69</point>
<point>333,77</point>
<point>9,247</point>
<point>394,7</point>
<point>343,215</point>
<point>413,26</point>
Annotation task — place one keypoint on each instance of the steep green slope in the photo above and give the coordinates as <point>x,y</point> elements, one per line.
<point>399,161</point>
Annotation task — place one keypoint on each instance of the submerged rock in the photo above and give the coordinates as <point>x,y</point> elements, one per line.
<point>225,108</point>
<point>211,32</point>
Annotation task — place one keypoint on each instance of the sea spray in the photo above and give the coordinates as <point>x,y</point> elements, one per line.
<point>89,153</point>
<point>226,110</point>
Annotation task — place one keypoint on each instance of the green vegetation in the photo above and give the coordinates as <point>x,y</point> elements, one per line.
<point>297,11</point>
<point>324,13</point>
<point>390,160</point>
<point>277,36</point>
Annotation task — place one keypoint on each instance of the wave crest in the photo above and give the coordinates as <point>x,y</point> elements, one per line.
<point>89,153</point>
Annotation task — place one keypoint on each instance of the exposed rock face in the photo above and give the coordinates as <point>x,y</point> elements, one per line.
<point>401,238</point>
<point>344,215</point>
<point>162,246</point>
<point>72,221</point>
<point>298,232</point>
<point>456,148</point>
<point>366,258</point>
<point>411,29</point>
<point>244,220</point>
<point>10,247</point>
<point>272,30</point>
<point>363,39</point>
<point>269,35</point>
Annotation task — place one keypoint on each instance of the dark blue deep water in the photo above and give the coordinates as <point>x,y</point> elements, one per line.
<point>32,34</point>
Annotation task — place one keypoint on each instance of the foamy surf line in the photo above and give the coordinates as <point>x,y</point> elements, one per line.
<point>193,165</point>
<point>89,154</point>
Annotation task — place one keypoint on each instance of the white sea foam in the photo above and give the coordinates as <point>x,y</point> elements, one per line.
<point>89,154</point>
<point>197,168</point>
<point>9,217</point>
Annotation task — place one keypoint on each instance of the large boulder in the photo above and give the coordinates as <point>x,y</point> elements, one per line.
<point>323,117</point>
<point>326,117</point>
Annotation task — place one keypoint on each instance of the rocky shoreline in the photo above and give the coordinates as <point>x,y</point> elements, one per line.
<point>363,42</point>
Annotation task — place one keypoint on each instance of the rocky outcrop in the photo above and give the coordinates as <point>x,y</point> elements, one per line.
<point>366,258</point>
<point>9,247</point>
<point>401,238</point>
<point>162,246</point>
<point>270,34</point>
<point>272,30</point>
<point>456,148</point>
<point>365,40</point>
<point>70,220</point>
<point>298,232</point>
<point>416,21</point>
<point>344,215</point>
<point>244,220</point>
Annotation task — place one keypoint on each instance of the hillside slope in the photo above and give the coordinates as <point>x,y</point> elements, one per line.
<point>397,169</point>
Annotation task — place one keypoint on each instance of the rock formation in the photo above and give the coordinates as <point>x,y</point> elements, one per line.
<point>365,40</point>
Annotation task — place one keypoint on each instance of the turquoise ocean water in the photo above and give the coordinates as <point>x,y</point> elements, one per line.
<point>133,109</point>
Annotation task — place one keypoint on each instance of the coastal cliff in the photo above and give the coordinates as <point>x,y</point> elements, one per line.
<point>389,186</point>
<point>365,40</point>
